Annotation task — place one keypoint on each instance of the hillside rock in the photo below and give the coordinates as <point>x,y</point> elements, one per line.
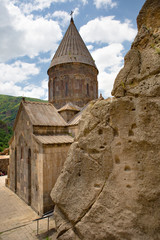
<point>109,187</point>
<point>141,72</point>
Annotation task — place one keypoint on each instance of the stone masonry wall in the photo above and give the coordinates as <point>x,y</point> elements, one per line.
<point>72,82</point>
<point>54,158</point>
<point>4,162</point>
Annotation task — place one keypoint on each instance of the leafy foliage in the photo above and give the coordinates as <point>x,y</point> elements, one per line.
<point>9,106</point>
<point>5,135</point>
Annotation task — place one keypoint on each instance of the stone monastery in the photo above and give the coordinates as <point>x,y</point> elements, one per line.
<point>43,132</point>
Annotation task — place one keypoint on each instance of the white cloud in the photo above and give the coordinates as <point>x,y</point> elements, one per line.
<point>23,35</point>
<point>8,88</point>
<point>75,12</point>
<point>35,91</point>
<point>84,2</point>
<point>37,5</point>
<point>105,3</point>
<point>45,60</point>
<point>108,30</point>
<point>106,81</point>
<point>109,61</point>
<point>12,76</point>
<point>27,35</point>
<point>108,56</point>
<point>44,84</point>
<point>90,47</point>
<point>17,72</point>
<point>64,17</point>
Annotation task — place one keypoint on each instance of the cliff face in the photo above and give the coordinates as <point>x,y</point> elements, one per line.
<point>110,184</point>
<point>140,75</point>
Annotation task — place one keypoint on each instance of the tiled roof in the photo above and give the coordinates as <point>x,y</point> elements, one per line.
<point>77,117</point>
<point>55,139</point>
<point>43,114</point>
<point>72,49</point>
<point>69,106</point>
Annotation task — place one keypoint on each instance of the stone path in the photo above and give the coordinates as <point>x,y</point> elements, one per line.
<point>16,218</point>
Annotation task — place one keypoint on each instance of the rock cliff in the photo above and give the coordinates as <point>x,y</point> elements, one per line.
<point>140,75</point>
<point>110,184</point>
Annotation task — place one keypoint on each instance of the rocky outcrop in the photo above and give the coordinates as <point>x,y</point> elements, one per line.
<point>141,72</point>
<point>109,187</point>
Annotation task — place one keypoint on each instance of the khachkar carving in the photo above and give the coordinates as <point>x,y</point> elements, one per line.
<point>110,184</point>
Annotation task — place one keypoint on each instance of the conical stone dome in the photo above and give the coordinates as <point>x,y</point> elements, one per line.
<point>72,49</point>
<point>72,72</point>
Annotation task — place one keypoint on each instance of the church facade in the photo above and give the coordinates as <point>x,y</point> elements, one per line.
<point>43,132</point>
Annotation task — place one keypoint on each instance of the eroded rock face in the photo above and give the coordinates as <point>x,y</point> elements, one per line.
<point>141,72</point>
<point>149,14</point>
<point>110,184</point>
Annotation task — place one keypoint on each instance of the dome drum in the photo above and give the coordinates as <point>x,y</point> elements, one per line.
<point>72,82</point>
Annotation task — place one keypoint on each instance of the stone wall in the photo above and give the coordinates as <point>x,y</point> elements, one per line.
<point>4,162</point>
<point>20,149</point>
<point>73,130</point>
<point>72,82</point>
<point>54,157</point>
<point>68,114</point>
<point>34,166</point>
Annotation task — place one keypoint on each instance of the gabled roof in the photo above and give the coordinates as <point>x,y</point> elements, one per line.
<point>72,49</point>
<point>77,118</point>
<point>69,106</point>
<point>44,114</point>
<point>41,114</point>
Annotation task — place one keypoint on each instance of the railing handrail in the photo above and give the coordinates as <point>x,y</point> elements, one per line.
<point>45,215</point>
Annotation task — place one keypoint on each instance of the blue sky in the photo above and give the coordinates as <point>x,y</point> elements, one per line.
<point>32,30</point>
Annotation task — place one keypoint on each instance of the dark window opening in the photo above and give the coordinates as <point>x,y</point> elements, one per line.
<point>66,92</point>
<point>87,89</point>
<point>29,155</point>
<point>53,90</point>
<point>21,152</point>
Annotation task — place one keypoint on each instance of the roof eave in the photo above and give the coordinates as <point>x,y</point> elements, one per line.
<point>71,62</point>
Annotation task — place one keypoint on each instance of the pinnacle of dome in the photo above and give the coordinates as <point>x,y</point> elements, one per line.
<point>72,49</point>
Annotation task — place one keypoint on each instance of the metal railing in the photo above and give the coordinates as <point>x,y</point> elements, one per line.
<point>46,215</point>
